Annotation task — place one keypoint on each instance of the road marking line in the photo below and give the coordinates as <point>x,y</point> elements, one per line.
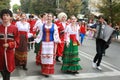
<point>86,75</point>
<point>105,64</point>
<point>66,76</point>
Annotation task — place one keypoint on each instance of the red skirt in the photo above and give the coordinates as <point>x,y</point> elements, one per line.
<point>21,51</point>
<point>47,69</point>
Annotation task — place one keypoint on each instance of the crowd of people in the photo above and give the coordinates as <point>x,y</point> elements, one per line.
<point>53,40</point>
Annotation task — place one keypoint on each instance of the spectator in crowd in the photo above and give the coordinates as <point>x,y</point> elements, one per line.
<point>117,31</point>
<point>83,29</point>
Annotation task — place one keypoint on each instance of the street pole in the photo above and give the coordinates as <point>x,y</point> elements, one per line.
<point>58,7</point>
<point>111,18</point>
<point>57,2</point>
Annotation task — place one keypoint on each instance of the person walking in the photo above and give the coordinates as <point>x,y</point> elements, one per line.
<point>70,54</point>
<point>21,51</point>
<point>32,22</point>
<point>61,23</point>
<point>9,40</point>
<point>39,23</point>
<point>83,29</point>
<point>49,37</point>
<point>103,34</point>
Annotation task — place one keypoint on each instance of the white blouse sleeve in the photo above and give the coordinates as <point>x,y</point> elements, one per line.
<point>39,36</point>
<point>67,34</point>
<point>28,28</point>
<point>77,34</point>
<point>56,34</point>
<point>28,31</point>
<point>37,24</point>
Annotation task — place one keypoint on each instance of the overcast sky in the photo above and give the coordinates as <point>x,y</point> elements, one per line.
<point>14,2</point>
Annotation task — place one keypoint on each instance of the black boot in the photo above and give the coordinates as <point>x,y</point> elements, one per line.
<point>24,68</point>
<point>57,59</point>
<point>5,75</point>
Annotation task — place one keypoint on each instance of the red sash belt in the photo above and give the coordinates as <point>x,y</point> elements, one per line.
<point>24,33</point>
<point>74,40</point>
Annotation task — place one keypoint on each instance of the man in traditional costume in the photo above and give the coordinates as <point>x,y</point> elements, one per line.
<point>32,22</point>
<point>9,39</point>
<point>61,23</point>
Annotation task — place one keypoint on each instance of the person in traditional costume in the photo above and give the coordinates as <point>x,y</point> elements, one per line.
<point>9,40</point>
<point>70,54</point>
<point>61,23</point>
<point>49,37</point>
<point>39,23</point>
<point>21,51</point>
<point>32,22</point>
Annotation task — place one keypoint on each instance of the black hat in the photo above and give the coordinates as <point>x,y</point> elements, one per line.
<point>31,16</point>
<point>6,11</point>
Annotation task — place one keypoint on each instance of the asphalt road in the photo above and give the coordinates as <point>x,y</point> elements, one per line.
<point>110,66</point>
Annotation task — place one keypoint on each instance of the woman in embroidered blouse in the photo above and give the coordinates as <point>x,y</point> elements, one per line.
<point>39,23</point>
<point>48,36</point>
<point>21,51</point>
<point>70,54</point>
